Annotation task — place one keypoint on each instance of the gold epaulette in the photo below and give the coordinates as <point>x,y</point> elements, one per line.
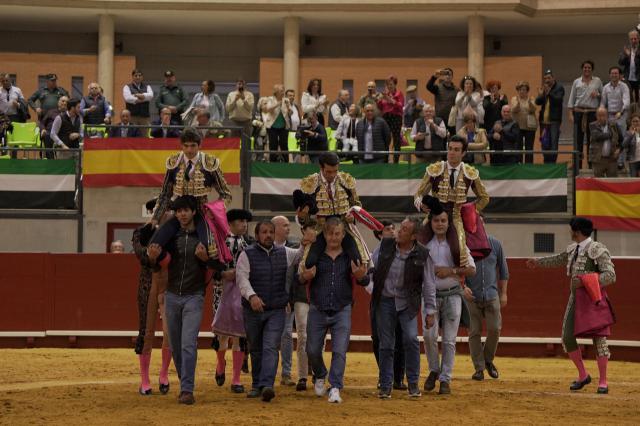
<point>173,161</point>
<point>347,180</point>
<point>435,169</point>
<point>309,184</point>
<point>210,163</point>
<point>471,172</point>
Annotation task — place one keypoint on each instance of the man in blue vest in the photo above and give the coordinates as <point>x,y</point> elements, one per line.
<point>137,96</point>
<point>261,274</point>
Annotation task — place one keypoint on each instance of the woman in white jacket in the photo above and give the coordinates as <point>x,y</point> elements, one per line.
<point>469,99</point>
<point>314,100</point>
<point>276,113</point>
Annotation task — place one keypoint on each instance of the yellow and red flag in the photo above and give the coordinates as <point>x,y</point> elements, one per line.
<point>142,162</point>
<point>612,204</point>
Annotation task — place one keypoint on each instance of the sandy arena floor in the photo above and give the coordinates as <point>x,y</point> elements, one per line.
<point>81,386</point>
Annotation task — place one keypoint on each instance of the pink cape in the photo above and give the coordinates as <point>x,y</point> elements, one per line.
<point>215,214</point>
<point>477,239</point>
<point>592,319</point>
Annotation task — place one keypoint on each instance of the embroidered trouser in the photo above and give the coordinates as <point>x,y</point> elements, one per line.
<point>569,341</point>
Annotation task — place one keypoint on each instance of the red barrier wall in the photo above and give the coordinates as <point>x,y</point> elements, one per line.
<point>41,292</point>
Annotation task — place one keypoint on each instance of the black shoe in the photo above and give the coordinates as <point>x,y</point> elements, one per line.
<point>302,385</point>
<point>254,393</point>
<point>399,386</point>
<point>384,393</point>
<point>579,384</point>
<point>414,390</point>
<point>445,389</point>
<point>164,389</point>
<point>478,375</point>
<point>492,370</point>
<point>268,394</point>
<point>144,392</point>
<point>603,390</point>
<point>220,379</point>
<point>430,383</point>
<point>237,388</point>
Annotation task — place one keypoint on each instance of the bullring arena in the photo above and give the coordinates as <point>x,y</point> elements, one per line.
<point>105,102</point>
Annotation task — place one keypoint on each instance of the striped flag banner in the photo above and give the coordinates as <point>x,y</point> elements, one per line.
<point>37,184</point>
<point>525,188</point>
<point>142,162</point>
<point>612,204</point>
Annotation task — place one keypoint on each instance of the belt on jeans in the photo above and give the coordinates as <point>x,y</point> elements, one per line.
<point>449,291</point>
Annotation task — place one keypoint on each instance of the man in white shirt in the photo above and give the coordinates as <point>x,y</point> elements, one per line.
<point>616,99</point>
<point>10,98</point>
<point>239,108</point>
<point>294,110</point>
<point>137,96</point>
<point>443,271</point>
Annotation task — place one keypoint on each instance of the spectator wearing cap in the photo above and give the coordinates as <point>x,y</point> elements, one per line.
<point>412,107</point>
<point>550,98</point>
<point>208,100</point>
<point>94,108</point>
<point>239,106</point>
<point>46,98</point>
<point>67,131</point>
<point>629,60</point>
<point>391,104</point>
<point>172,96</point>
<point>523,109</point>
<point>124,128</point>
<point>444,91</point>
<point>584,99</point>
<point>493,103</point>
<point>137,96</point>
<point>12,100</point>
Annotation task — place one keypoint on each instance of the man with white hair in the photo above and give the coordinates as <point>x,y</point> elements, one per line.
<point>338,109</point>
<point>629,60</point>
<point>430,134</point>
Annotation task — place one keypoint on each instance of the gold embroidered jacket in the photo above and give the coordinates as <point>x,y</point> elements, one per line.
<point>436,183</point>
<point>344,198</point>
<point>207,175</point>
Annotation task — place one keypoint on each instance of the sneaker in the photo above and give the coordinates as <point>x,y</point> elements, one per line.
<point>186,398</point>
<point>414,390</point>
<point>445,389</point>
<point>334,396</point>
<point>302,385</point>
<point>478,375</point>
<point>286,381</point>
<point>268,394</point>
<point>492,370</point>
<point>384,393</point>
<point>430,383</point>
<point>318,387</point>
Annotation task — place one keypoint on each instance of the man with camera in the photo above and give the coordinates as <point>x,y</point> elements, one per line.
<point>444,92</point>
<point>311,136</point>
<point>240,108</point>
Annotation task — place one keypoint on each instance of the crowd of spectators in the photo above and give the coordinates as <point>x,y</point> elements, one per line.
<point>604,116</point>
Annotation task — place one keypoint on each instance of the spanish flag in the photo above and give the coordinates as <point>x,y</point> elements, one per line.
<point>142,162</point>
<point>612,204</point>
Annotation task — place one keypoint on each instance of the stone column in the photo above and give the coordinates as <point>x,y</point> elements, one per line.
<point>475,49</point>
<point>106,41</point>
<point>291,60</point>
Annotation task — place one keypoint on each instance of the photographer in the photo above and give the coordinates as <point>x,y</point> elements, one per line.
<point>311,136</point>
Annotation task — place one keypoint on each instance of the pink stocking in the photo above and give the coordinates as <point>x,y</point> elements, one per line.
<point>145,360</point>
<point>576,357</point>
<point>222,364</point>
<point>602,367</point>
<point>238,358</point>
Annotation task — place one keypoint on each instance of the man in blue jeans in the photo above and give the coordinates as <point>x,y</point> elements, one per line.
<point>399,281</point>
<point>185,292</point>
<point>261,276</point>
<point>331,298</point>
